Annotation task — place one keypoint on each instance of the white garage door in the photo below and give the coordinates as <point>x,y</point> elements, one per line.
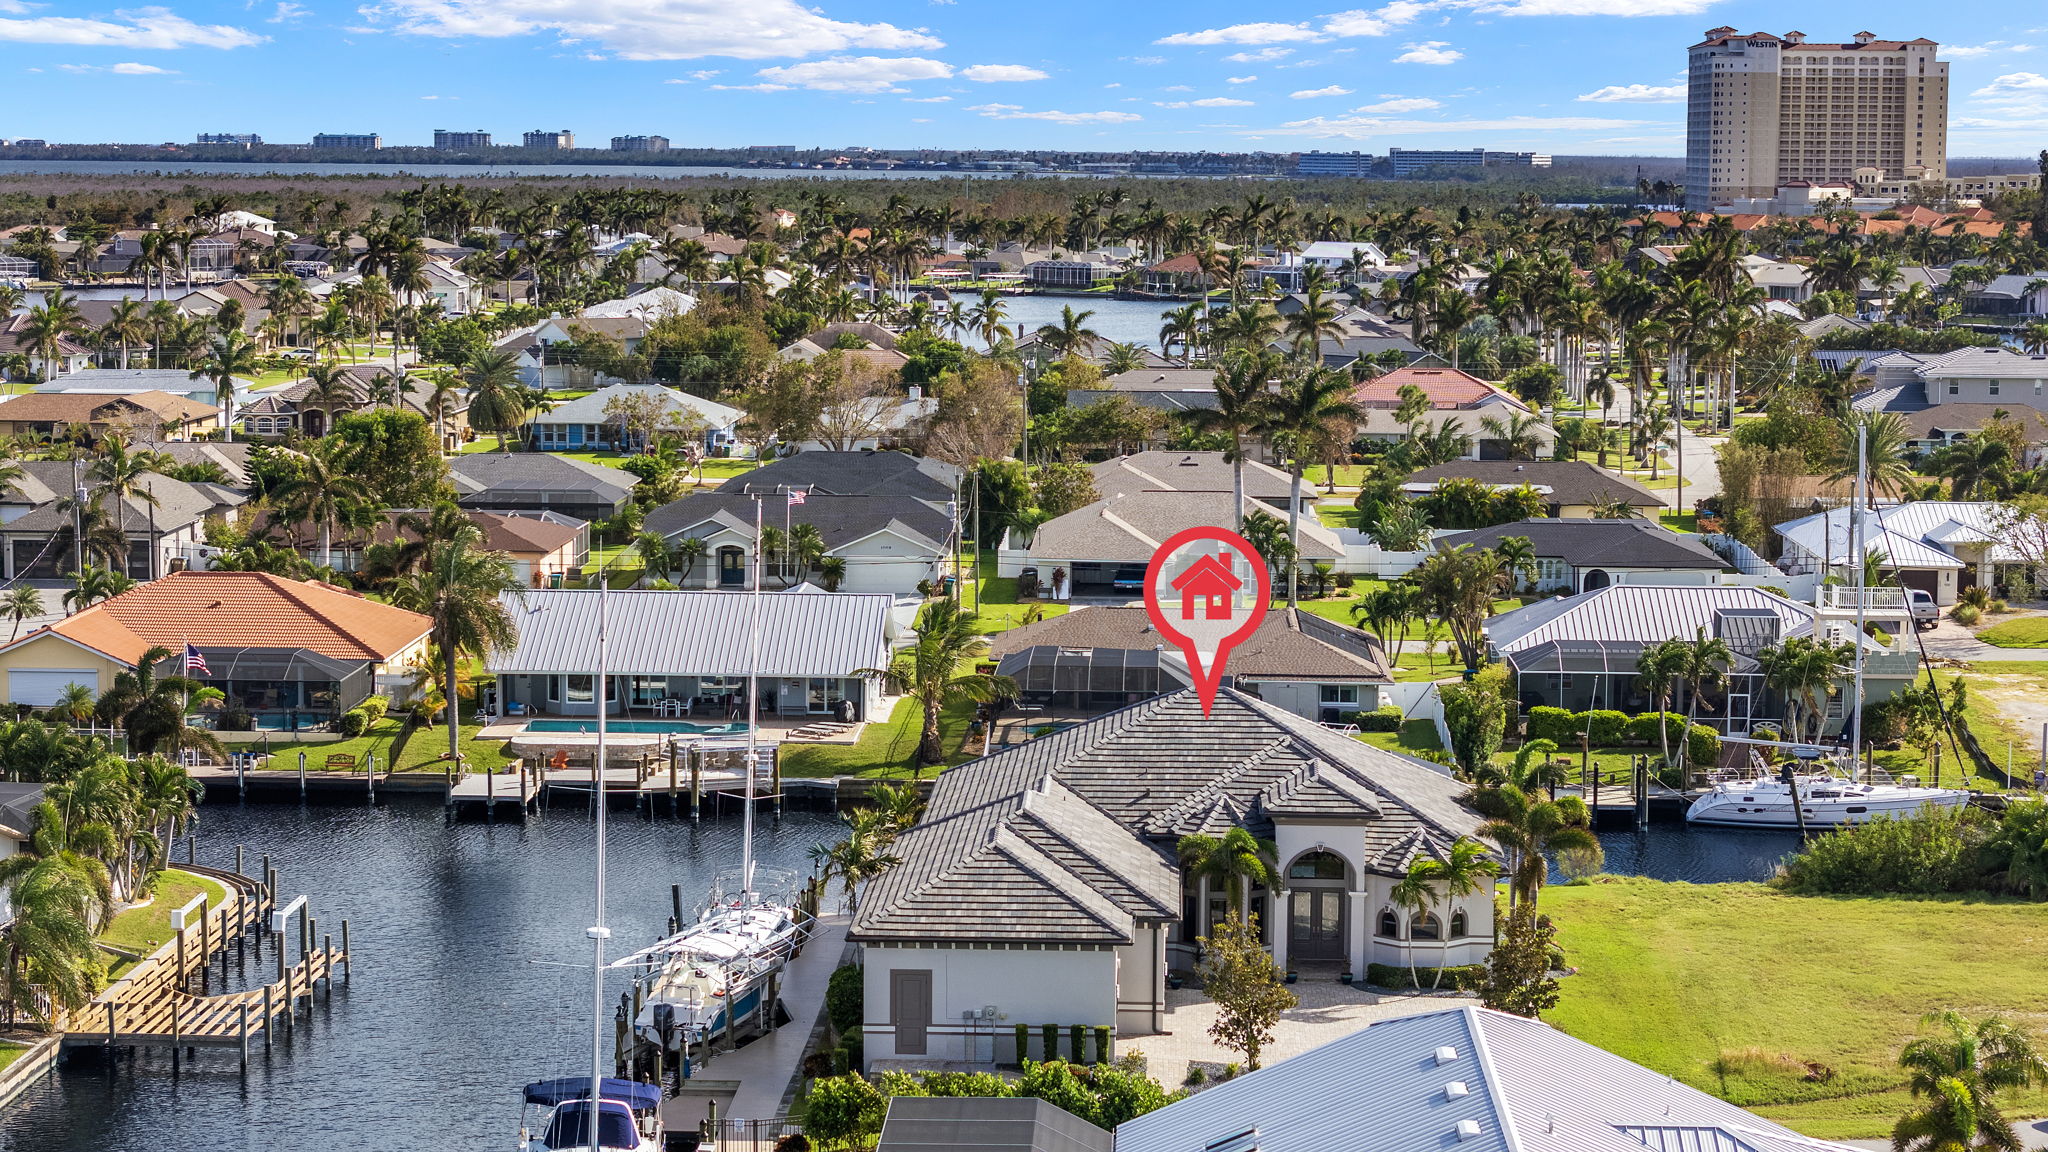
<point>40,687</point>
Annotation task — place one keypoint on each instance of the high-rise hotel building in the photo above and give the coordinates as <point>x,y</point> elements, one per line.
<point>1765,110</point>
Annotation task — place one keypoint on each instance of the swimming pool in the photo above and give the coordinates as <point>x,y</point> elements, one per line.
<point>660,727</point>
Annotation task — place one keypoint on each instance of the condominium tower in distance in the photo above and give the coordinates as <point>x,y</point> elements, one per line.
<point>1763,111</point>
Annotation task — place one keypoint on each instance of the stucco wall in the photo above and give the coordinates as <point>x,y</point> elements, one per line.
<point>1026,986</point>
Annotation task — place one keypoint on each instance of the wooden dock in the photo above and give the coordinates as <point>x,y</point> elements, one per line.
<point>152,1005</point>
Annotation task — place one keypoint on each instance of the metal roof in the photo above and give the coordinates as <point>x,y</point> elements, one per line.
<point>697,633</point>
<point>1483,1081</point>
<point>1014,1124</point>
<point>1907,534</point>
<point>1636,614</point>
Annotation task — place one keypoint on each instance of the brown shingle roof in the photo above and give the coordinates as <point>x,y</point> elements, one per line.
<point>92,407</point>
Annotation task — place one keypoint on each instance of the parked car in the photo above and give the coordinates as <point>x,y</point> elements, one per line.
<point>1128,578</point>
<point>296,354</point>
<point>1926,613</point>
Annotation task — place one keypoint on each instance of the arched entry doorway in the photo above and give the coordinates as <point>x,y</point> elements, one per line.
<point>732,568</point>
<point>1595,578</point>
<point>1317,883</point>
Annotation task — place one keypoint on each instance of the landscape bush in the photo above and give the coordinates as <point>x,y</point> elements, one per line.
<point>1557,725</point>
<point>1457,978</point>
<point>1643,729</point>
<point>1702,746</point>
<point>1964,614</point>
<point>1607,726</point>
<point>847,1110</point>
<point>843,998</point>
<point>1933,851</point>
<point>1386,718</point>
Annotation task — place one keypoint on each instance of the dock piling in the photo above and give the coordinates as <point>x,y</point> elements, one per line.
<point>269,1016</point>
<point>245,1036</point>
<point>348,954</point>
<point>327,951</point>
<point>302,788</point>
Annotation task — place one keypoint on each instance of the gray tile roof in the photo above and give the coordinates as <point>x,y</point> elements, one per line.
<point>840,520</point>
<point>47,482</point>
<point>18,805</point>
<point>994,1123</point>
<point>697,633</point>
<point>1567,481</point>
<point>1528,1087</point>
<point>1165,471</point>
<point>1130,528</point>
<point>1597,543</point>
<point>854,474</point>
<point>1066,838</point>
<point>1986,363</point>
<point>1289,645</point>
<point>590,409</point>
<point>512,473</point>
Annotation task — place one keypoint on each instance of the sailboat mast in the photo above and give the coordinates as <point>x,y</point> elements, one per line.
<point>1857,550</point>
<point>598,931</point>
<point>753,715</point>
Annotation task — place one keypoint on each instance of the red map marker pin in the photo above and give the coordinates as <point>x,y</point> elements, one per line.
<point>1206,590</point>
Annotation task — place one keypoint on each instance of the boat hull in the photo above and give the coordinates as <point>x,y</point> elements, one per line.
<point>1721,811</point>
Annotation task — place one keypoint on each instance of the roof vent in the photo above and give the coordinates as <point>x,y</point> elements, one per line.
<point>1456,1089</point>
<point>1446,1054</point>
<point>1468,1130</point>
<point>1245,1141</point>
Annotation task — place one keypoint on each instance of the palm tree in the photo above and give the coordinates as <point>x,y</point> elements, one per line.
<point>234,355</point>
<point>1659,669</point>
<point>1070,334</point>
<point>1242,409</point>
<point>463,590</point>
<point>119,473</point>
<point>1960,1071</point>
<point>1388,610</point>
<point>1805,671</point>
<point>496,401</point>
<point>93,584</point>
<point>48,327</point>
<point>1885,438</point>
<point>1433,882</point>
<point>127,324</point>
<point>1703,663</point>
<point>1235,862</point>
<point>321,490</point>
<point>1305,406</point>
<point>929,672</point>
<point>61,897</point>
<point>1519,434</point>
<point>863,855</point>
<point>1457,587</point>
<point>152,709</point>
<point>1532,831</point>
<point>20,603</point>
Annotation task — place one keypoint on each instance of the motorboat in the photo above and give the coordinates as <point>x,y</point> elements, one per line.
<point>1825,800</point>
<point>558,1116</point>
<point>703,983</point>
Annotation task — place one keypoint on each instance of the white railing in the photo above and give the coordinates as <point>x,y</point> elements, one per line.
<point>1847,598</point>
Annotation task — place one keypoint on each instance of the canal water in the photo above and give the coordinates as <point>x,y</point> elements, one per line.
<point>1119,321</point>
<point>472,978</point>
<point>472,972</point>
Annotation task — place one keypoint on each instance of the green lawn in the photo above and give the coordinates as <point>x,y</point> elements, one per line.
<point>1415,738</point>
<point>423,750</point>
<point>1680,521</point>
<point>2026,632</point>
<point>9,1053</point>
<point>1733,988</point>
<point>884,749</point>
<point>145,929</point>
<point>1337,517</point>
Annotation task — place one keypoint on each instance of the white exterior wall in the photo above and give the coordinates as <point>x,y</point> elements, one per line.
<point>1306,699</point>
<point>1032,986</point>
<point>1980,390</point>
<point>1141,983</point>
<point>1368,895</point>
<point>886,562</point>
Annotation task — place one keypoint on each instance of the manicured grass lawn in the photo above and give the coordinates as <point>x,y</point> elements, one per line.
<point>1414,738</point>
<point>993,600</point>
<point>9,1053</point>
<point>143,930</point>
<point>884,749</point>
<point>1731,987</point>
<point>422,750</point>
<point>1680,521</point>
<point>1337,517</point>
<point>2026,632</point>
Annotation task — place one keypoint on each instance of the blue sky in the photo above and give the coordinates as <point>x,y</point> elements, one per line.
<point>1570,76</point>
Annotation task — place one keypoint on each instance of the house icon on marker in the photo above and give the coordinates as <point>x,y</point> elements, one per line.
<point>1210,582</point>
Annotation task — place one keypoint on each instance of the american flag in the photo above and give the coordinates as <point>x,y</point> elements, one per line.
<point>796,495</point>
<point>194,662</point>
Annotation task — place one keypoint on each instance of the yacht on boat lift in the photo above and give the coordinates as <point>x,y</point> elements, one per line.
<point>1825,800</point>
<point>714,977</point>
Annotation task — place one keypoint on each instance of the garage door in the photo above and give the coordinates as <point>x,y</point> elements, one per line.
<point>40,687</point>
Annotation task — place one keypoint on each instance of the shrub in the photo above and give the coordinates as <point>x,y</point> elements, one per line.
<point>843,998</point>
<point>855,1046</point>
<point>1386,718</point>
<point>1885,721</point>
<point>843,1110</point>
<point>1999,607</point>
<point>1702,746</point>
<point>352,723</point>
<point>1023,1042</point>
<point>1964,614</point>
<point>793,1142</point>
<point>1607,725</point>
<point>1460,978</point>
<point>375,707</point>
<point>1643,729</point>
<point>1077,1043</point>
<point>1976,596</point>
<point>1932,851</point>
<point>1345,580</point>
<point>1553,724</point>
<point>1102,1044</point>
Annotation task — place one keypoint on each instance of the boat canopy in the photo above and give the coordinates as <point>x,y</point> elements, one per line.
<point>569,1126</point>
<point>638,1097</point>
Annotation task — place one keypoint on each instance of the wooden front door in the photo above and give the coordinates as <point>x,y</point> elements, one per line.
<point>910,1009</point>
<point>1316,924</point>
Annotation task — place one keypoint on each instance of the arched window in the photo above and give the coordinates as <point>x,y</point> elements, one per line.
<point>1390,925</point>
<point>1425,927</point>
<point>1317,865</point>
<point>1458,924</point>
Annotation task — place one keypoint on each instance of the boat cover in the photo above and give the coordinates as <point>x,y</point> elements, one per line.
<point>638,1097</point>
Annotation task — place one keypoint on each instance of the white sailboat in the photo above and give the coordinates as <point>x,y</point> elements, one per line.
<point>715,976</point>
<point>597,1113</point>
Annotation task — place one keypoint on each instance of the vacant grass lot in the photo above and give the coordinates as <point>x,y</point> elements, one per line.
<point>2026,632</point>
<point>1793,1006</point>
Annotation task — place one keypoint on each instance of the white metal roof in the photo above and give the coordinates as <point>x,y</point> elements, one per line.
<point>1636,613</point>
<point>697,633</point>
<point>1907,533</point>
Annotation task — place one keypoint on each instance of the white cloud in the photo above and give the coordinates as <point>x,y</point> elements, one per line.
<point>288,12</point>
<point>926,99</point>
<point>1395,105</point>
<point>1260,57</point>
<point>704,73</point>
<point>2013,101</point>
<point>1239,79</point>
<point>1429,52</point>
<point>135,28</point>
<point>1000,73</point>
<point>1261,33</point>
<point>1361,127</point>
<point>1177,88</point>
<point>1016,112</point>
<point>857,73</point>
<point>1113,84</point>
<point>1356,22</point>
<point>1147,61</point>
<point>119,69</point>
<point>1636,94</point>
<point>750,87</point>
<point>1313,93</point>
<point>654,29</point>
<point>1597,7</point>
<point>1205,102</point>
<point>1961,51</point>
<point>440,97</point>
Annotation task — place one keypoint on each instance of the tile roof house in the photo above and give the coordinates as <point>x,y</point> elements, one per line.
<point>1572,489</point>
<point>144,416</point>
<point>1122,532</point>
<point>1171,471</point>
<point>132,381</point>
<point>1581,555</point>
<point>986,1124</point>
<point>287,408</point>
<point>36,526</point>
<point>1457,398</point>
<point>888,543</point>
<point>292,652</point>
<point>583,424</point>
<point>539,482</point>
<point>1171,389</point>
<point>861,473</point>
<point>1094,658</point>
<point>1468,1078</point>
<point>1986,376</point>
<point>1937,546</point>
<point>1043,879</point>
<point>1580,652</point>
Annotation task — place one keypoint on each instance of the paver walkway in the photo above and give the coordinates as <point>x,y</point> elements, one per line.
<point>1328,1010</point>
